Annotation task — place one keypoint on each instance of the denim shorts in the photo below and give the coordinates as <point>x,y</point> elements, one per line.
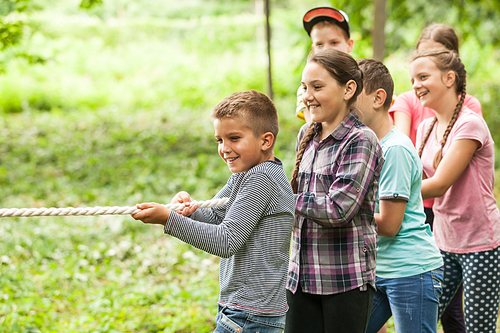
<point>235,321</point>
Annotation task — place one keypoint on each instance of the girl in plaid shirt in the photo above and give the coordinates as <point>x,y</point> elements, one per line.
<point>331,276</point>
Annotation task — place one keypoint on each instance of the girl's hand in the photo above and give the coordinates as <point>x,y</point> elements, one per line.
<point>152,213</point>
<point>185,198</point>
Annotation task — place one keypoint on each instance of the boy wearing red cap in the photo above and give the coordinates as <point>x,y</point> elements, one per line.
<point>328,28</point>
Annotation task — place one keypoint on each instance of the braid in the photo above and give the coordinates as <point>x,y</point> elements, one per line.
<point>300,153</point>
<point>424,141</point>
<point>439,155</point>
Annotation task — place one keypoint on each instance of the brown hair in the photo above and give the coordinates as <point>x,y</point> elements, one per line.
<point>252,108</point>
<point>343,68</point>
<point>377,76</point>
<point>440,33</point>
<point>445,60</point>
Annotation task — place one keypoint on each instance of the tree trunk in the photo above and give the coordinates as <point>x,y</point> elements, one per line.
<point>268,38</point>
<point>378,36</point>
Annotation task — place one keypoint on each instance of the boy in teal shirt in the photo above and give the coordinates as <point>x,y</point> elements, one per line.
<point>409,263</point>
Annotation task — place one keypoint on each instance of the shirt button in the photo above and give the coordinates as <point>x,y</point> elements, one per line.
<point>238,330</point>
<point>358,189</point>
<point>365,249</point>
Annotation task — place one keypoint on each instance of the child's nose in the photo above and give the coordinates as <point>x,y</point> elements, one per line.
<point>306,97</point>
<point>225,147</point>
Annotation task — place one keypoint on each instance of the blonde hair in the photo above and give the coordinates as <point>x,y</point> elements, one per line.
<point>445,60</point>
<point>329,23</point>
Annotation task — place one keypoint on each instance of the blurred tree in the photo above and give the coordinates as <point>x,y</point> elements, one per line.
<point>378,31</point>
<point>405,19</point>
<point>87,4</point>
<point>11,23</point>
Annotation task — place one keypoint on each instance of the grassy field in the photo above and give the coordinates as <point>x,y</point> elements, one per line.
<point>110,107</point>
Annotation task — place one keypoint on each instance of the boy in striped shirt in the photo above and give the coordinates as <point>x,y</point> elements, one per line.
<point>252,232</point>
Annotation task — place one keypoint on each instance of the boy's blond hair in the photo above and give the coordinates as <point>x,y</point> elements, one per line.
<point>252,109</point>
<point>326,23</point>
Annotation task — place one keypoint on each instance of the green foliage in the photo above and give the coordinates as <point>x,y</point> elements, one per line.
<point>87,4</point>
<point>11,31</point>
<point>405,19</point>
<point>9,6</point>
<point>109,106</point>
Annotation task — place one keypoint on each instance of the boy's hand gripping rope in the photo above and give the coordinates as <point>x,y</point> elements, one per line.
<point>87,211</point>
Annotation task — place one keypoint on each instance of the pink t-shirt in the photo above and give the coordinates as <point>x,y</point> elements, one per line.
<point>466,217</point>
<point>408,103</point>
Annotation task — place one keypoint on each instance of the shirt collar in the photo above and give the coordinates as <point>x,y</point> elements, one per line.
<point>344,127</point>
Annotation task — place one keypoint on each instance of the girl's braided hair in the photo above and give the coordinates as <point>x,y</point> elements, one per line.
<point>343,68</point>
<point>445,60</point>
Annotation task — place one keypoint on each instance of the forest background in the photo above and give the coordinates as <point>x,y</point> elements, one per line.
<point>107,103</point>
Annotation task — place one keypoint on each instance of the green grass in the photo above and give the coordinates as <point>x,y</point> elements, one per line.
<point>102,274</point>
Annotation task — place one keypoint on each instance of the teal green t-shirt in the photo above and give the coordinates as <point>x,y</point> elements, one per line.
<point>413,250</point>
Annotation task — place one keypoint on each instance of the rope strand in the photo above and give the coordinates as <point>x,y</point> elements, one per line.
<point>90,211</point>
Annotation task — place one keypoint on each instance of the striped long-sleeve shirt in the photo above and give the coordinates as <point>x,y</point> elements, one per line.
<point>252,235</point>
<point>335,234</point>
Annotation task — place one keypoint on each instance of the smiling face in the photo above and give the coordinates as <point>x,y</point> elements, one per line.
<point>238,146</point>
<point>428,82</point>
<point>330,37</point>
<point>323,96</point>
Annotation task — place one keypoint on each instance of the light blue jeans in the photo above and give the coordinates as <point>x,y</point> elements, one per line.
<point>234,321</point>
<point>412,302</point>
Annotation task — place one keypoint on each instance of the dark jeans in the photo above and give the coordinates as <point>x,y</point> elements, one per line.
<point>346,312</point>
<point>452,318</point>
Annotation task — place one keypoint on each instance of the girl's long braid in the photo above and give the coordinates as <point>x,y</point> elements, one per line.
<point>453,120</point>
<point>310,132</point>
<point>439,155</point>
<point>424,141</point>
<point>446,60</point>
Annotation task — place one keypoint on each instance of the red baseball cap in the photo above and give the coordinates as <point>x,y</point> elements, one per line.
<point>319,14</point>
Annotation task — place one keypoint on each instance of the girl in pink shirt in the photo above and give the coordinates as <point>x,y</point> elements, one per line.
<point>457,154</point>
<point>408,113</point>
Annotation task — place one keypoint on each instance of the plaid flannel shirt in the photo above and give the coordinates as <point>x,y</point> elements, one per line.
<point>335,234</point>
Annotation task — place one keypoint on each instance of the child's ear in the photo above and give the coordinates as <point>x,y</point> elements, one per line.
<point>267,141</point>
<point>350,89</point>
<point>379,98</point>
<point>450,79</point>
<point>350,45</point>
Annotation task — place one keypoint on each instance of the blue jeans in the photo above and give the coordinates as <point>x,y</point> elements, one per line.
<point>412,302</point>
<point>234,321</point>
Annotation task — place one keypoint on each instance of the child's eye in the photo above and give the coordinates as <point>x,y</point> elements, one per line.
<point>235,138</point>
<point>219,141</point>
<point>318,87</point>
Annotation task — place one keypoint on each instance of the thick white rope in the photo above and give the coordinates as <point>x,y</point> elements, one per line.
<point>87,211</point>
